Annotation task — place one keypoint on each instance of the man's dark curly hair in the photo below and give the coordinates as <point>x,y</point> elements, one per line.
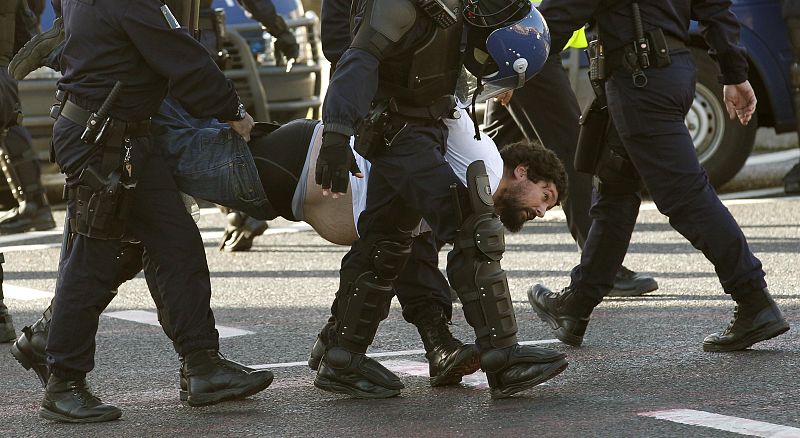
<point>543,164</point>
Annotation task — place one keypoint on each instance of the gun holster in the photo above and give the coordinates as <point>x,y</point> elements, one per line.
<point>591,139</point>
<point>102,204</point>
<point>370,137</point>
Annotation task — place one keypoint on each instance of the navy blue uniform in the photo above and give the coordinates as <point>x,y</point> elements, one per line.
<point>107,41</point>
<point>335,29</point>
<point>650,130</point>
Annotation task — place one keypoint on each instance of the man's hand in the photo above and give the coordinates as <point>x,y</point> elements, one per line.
<point>740,101</point>
<point>243,127</point>
<point>286,44</point>
<point>504,98</point>
<point>335,164</point>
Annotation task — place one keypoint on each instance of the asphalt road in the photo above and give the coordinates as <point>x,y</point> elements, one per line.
<point>641,371</point>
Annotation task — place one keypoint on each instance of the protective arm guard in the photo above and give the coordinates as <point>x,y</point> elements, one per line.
<point>474,266</point>
<point>384,23</point>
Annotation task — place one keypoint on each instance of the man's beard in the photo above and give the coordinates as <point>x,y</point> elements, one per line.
<point>512,213</point>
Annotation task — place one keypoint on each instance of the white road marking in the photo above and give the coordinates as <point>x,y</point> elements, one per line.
<point>30,235</point>
<point>771,158</point>
<point>151,318</point>
<point>36,247</point>
<point>476,380</point>
<point>383,354</point>
<point>724,422</point>
<point>24,293</point>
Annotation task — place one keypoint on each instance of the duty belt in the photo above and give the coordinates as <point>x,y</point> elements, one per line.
<point>616,58</point>
<point>80,116</point>
<point>442,108</point>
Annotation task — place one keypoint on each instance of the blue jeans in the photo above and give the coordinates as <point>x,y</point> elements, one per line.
<point>209,161</point>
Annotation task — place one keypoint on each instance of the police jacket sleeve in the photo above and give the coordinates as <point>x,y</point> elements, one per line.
<point>720,29</point>
<point>194,79</point>
<point>335,29</point>
<point>351,91</point>
<point>264,11</point>
<point>564,17</point>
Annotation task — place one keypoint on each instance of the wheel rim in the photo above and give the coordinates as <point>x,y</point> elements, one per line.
<point>706,123</point>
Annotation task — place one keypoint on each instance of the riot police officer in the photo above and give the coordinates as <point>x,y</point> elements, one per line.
<point>648,83</point>
<point>17,159</point>
<point>118,64</point>
<point>404,61</point>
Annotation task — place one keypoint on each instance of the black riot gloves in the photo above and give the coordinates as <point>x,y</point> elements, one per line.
<point>286,44</point>
<point>335,163</point>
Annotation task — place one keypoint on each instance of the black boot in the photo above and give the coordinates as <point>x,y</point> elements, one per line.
<point>516,368</point>
<point>756,318</point>
<point>355,374</point>
<point>566,312</point>
<point>7,332</point>
<point>29,348</point>
<point>32,214</point>
<point>184,383</point>
<point>241,231</point>
<point>212,379</point>
<point>71,401</point>
<point>628,283</point>
<point>448,358</point>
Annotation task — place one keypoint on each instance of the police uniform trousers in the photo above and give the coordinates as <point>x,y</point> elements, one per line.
<point>89,268</point>
<point>410,180</point>
<point>651,132</point>
<point>546,108</point>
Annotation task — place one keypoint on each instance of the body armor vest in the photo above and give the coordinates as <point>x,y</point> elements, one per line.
<point>430,71</point>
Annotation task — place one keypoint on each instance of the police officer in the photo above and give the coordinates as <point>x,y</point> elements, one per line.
<point>546,108</point>
<point>408,58</point>
<point>791,16</point>
<point>649,89</point>
<point>17,159</point>
<point>118,185</point>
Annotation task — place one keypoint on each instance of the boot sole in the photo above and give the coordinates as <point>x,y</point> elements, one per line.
<point>635,292</point>
<point>557,368</point>
<point>561,333</point>
<point>226,395</point>
<point>454,374</point>
<point>763,334</point>
<point>54,416</point>
<point>339,388</point>
<point>27,363</point>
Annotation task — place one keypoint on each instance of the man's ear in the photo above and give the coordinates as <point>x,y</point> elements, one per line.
<point>521,172</point>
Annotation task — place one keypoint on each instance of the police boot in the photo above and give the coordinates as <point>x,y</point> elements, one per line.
<point>29,215</point>
<point>7,332</point>
<point>36,52</point>
<point>756,318</point>
<point>628,283</point>
<point>318,350</point>
<point>184,383</point>
<point>211,379</point>
<point>346,372</point>
<point>791,182</point>
<point>29,348</point>
<point>241,231</point>
<point>71,401</point>
<point>566,312</point>
<point>448,358</point>
<point>476,275</point>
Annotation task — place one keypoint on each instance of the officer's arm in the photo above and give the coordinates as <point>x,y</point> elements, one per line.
<point>355,80</point>
<point>335,29</point>
<point>565,17</point>
<point>194,79</point>
<point>264,12</point>
<point>720,29</point>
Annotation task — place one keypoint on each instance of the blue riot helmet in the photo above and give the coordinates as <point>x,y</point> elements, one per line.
<point>504,57</point>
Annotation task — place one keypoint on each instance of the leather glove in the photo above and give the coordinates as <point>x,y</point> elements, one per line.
<point>335,163</point>
<point>286,44</point>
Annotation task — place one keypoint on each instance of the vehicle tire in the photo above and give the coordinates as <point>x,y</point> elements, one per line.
<point>722,144</point>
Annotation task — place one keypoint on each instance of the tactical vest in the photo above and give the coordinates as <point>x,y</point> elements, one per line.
<point>431,71</point>
<point>8,13</point>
